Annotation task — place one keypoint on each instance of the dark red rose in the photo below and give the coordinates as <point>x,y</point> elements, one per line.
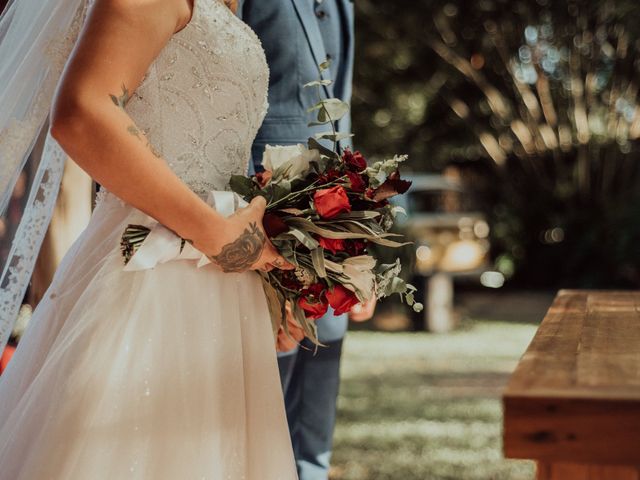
<point>341,299</point>
<point>273,225</point>
<point>358,183</point>
<point>315,290</point>
<point>370,193</point>
<point>330,176</point>
<point>331,202</point>
<point>334,245</point>
<point>263,178</point>
<point>313,301</point>
<point>355,247</point>
<point>313,309</point>
<point>392,186</point>
<point>354,161</point>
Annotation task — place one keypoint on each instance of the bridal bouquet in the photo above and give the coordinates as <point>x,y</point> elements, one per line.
<point>325,207</point>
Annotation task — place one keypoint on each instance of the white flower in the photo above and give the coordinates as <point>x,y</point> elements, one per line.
<point>361,262</point>
<point>359,273</point>
<point>288,161</point>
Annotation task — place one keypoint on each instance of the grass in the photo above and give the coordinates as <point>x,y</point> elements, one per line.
<point>415,406</point>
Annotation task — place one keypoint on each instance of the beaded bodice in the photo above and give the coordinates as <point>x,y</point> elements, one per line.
<point>204,98</point>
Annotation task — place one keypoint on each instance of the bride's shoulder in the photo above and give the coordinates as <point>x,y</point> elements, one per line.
<point>176,11</point>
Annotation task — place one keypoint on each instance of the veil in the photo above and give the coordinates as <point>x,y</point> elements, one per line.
<point>36,38</point>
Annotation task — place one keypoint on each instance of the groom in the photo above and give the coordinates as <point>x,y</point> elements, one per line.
<point>297,36</point>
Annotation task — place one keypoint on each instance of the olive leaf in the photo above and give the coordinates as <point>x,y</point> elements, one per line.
<point>242,185</point>
<point>317,83</point>
<point>317,257</point>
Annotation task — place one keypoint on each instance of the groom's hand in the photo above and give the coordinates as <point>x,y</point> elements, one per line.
<point>243,245</point>
<point>284,342</point>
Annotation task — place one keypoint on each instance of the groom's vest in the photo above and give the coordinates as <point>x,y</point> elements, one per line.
<point>298,35</point>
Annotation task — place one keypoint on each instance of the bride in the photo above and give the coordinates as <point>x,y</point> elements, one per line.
<point>167,373</point>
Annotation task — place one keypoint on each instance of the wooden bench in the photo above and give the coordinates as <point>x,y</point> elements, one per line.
<point>573,403</point>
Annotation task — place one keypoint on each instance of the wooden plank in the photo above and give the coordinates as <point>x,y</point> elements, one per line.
<point>575,395</point>
<point>574,471</point>
<point>583,431</point>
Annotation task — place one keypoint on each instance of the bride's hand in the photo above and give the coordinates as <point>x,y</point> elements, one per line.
<point>242,243</point>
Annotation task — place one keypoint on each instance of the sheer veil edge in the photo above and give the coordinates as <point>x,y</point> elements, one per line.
<point>36,39</point>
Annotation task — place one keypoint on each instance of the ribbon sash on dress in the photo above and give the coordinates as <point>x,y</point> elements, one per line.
<point>162,245</point>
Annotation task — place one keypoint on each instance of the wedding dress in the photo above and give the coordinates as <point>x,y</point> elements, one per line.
<point>168,373</point>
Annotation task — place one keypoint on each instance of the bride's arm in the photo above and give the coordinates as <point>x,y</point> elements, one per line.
<point>118,43</point>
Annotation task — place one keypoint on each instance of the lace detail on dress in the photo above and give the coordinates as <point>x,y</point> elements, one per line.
<point>204,98</point>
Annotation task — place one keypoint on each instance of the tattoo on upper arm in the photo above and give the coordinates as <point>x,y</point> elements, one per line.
<point>155,152</point>
<point>133,130</point>
<point>243,252</point>
<point>120,102</point>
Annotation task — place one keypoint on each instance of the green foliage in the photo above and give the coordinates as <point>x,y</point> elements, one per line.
<point>536,102</point>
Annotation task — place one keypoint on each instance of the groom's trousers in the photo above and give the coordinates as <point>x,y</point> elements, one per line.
<point>310,381</point>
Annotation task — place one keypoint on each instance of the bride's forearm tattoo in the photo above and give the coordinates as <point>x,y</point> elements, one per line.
<point>120,102</point>
<point>243,252</point>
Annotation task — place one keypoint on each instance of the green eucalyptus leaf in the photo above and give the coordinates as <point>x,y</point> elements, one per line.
<point>334,137</point>
<point>317,124</point>
<point>397,285</point>
<point>332,109</point>
<point>317,106</point>
<point>277,191</point>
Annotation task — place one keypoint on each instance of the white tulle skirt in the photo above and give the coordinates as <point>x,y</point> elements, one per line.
<point>167,373</point>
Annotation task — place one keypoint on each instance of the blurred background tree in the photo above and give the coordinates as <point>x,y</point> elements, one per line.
<point>536,103</point>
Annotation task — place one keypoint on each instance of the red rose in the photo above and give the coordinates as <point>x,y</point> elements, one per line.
<point>358,183</point>
<point>315,289</point>
<point>392,186</point>
<point>370,193</point>
<point>330,176</point>
<point>334,245</point>
<point>354,161</point>
<point>341,299</point>
<point>355,247</point>
<point>330,202</point>
<point>313,301</point>
<point>313,309</point>
<point>273,225</point>
<point>264,178</point>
